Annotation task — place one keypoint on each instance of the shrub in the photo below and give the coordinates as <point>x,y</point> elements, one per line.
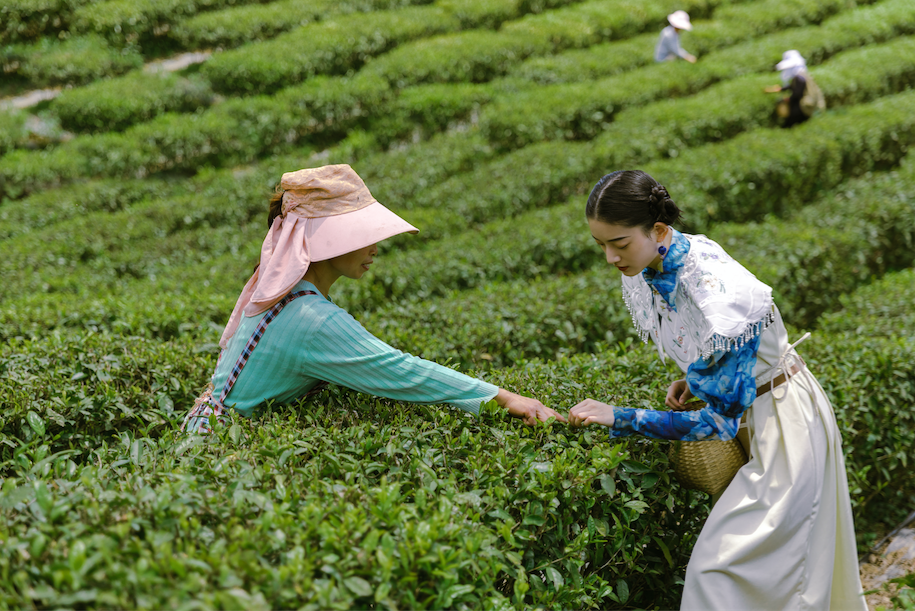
<point>481,55</point>
<point>333,46</point>
<point>237,25</point>
<point>772,171</point>
<point>27,19</point>
<point>114,104</point>
<point>13,132</point>
<point>132,21</point>
<point>46,208</point>
<point>880,309</point>
<point>74,61</point>
<point>856,238</point>
<point>583,110</point>
<point>383,494</point>
<point>418,113</point>
<point>589,63</point>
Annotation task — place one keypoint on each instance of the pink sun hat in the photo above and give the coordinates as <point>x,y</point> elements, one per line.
<point>326,212</point>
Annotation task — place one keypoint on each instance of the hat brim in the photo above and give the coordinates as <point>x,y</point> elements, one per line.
<point>680,25</point>
<point>332,236</point>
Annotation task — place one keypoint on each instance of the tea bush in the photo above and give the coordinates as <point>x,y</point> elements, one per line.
<point>582,110</point>
<point>74,61</point>
<point>333,46</point>
<point>716,181</point>
<point>185,518</point>
<point>13,133</point>
<point>237,25</point>
<point>880,309</point>
<point>482,55</point>
<point>238,130</point>
<point>732,23</point>
<point>132,21</point>
<point>115,104</point>
<point>27,19</point>
<point>715,175</point>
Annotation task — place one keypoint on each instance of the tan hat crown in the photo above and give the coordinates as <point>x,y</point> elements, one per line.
<point>326,191</point>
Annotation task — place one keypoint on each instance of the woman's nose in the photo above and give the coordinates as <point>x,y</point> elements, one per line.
<point>612,257</point>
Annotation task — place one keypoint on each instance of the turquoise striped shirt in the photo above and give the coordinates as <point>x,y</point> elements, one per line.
<point>313,339</point>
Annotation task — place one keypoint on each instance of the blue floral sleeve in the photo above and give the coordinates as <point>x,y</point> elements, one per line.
<point>725,382</point>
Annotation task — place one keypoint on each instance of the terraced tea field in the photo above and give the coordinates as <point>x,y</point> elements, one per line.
<point>133,209</point>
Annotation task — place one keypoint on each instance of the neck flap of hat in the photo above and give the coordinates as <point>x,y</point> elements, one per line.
<point>311,193</point>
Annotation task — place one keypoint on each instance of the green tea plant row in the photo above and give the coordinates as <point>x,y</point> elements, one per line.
<point>164,236</point>
<point>13,133</point>
<point>548,171</point>
<point>880,309</point>
<point>113,105</point>
<point>494,481</point>
<point>343,44</point>
<point>98,47</point>
<point>583,110</point>
<point>842,149</point>
<point>516,299</point>
<point>229,133</point>
<point>76,60</point>
<point>761,171</point>
<point>138,21</point>
<point>28,19</point>
<point>235,26</point>
<point>731,24</point>
<point>483,55</point>
<point>546,516</point>
<point>448,58</point>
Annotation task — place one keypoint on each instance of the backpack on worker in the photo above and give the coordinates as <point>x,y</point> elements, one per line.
<point>812,100</point>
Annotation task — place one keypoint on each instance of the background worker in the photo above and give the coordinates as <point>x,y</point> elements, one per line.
<point>669,48</point>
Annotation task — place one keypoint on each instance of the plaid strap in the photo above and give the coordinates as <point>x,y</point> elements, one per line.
<point>256,337</point>
<point>198,419</point>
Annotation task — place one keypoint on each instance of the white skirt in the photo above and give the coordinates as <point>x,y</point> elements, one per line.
<point>781,536</point>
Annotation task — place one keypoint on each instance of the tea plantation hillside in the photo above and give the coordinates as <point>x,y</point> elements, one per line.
<point>132,209</point>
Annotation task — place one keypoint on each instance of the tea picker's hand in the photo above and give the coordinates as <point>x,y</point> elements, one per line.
<point>590,412</point>
<point>678,395</point>
<point>529,410</point>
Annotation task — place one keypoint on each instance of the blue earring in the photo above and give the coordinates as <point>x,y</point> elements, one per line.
<point>662,250</point>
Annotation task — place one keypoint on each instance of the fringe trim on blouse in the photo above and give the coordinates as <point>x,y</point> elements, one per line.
<point>716,343</point>
<point>719,343</point>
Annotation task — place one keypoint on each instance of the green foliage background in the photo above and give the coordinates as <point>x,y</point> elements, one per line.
<point>131,218</point>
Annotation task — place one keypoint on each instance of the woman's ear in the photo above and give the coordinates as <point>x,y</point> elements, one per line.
<point>661,230</point>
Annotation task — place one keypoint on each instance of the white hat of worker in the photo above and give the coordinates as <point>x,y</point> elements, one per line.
<point>680,20</point>
<point>790,59</point>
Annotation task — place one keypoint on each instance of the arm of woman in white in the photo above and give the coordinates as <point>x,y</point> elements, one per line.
<point>342,351</point>
<point>725,382</point>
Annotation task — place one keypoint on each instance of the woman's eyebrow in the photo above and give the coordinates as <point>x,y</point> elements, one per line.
<point>613,240</point>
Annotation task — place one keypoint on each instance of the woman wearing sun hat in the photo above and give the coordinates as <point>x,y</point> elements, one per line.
<point>669,48</point>
<point>286,338</point>
<point>805,99</point>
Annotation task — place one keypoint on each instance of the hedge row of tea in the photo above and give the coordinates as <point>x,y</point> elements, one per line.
<point>164,238</point>
<point>240,129</point>
<point>354,501</point>
<point>333,104</point>
<point>116,289</point>
<point>451,58</point>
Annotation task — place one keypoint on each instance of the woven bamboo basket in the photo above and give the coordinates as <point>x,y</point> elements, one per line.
<point>708,466</point>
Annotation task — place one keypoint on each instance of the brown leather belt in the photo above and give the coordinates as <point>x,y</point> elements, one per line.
<point>780,378</point>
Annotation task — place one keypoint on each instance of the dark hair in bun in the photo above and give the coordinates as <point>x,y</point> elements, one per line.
<point>631,198</point>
